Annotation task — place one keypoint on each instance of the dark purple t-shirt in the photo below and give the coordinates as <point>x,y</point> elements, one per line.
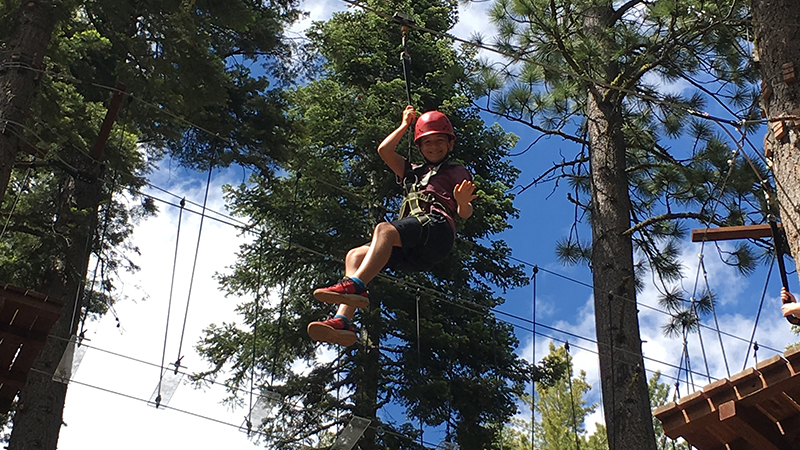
<point>441,186</point>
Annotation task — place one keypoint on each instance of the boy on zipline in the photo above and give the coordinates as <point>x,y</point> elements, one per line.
<point>423,236</point>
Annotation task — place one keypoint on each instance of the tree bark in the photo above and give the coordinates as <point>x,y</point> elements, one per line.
<point>778,43</point>
<point>626,400</point>
<point>622,377</point>
<point>367,372</point>
<point>38,419</point>
<point>22,57</point>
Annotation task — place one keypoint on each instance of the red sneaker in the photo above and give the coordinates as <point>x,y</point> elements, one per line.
<point>334,331</point>
<point>346,292</point>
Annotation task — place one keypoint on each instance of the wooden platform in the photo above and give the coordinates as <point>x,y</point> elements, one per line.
<point>758,409</point>
<point>25,321</point>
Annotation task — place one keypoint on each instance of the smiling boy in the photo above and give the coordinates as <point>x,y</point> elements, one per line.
<point>423,235</point>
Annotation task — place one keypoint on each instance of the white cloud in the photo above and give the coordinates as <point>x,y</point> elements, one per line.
<point>117,421</point>
<point>316,10</point>
<point>735,310</point>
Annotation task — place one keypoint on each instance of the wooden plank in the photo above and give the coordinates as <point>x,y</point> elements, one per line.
<point>25,359</point>
<point>779,407</point>
<point>13,331</point>
<point>26,318</point>
<point>753,426</point>
<point>774,370</point>
<point>14,314</point>
<point>729,233</point>
<point>747,382</point>
<point>719,392</point>
<point>793,357</point>
<point>31,299</point>
<point>671,418</point>
<point>690,419</point>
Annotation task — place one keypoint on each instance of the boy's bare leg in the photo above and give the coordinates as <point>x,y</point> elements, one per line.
<point>353,260</point>
<point>351,264</point>
<point>365,262</point>
<point>384,238</point>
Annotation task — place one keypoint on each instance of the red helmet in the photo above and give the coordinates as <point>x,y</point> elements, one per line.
<point>432,122</point>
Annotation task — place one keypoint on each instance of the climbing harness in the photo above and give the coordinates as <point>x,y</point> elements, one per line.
<point>416,178</point>
<point>413,196</point>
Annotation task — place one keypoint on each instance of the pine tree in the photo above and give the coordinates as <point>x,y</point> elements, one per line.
<point>776,40</point>
<point>194,97</point>
<point>461,373</point>
<point>659,395</point>
<point>578,70</point>
<point>561,408</point>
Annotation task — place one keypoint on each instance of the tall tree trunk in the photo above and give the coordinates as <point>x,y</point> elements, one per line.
<point>622,377</point>
<point>19,81</point>
<point>368,372</point>
<point>38,419</point>
<point>778,43</point>
<point>626,399</point>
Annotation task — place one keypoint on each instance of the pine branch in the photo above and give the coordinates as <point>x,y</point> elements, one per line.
<point>669,216</point>
<point>567,55</point>
<point>533,126</point>
<point>552,169</point>
<point>619,13</point>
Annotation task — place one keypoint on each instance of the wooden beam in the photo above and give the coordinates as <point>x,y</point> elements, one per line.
<point>754,427</point>
<point>729,233</point>
<point>108,122</point>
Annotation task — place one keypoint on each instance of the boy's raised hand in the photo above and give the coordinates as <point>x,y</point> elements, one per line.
<point>409,114</point>
<point>464,192</point>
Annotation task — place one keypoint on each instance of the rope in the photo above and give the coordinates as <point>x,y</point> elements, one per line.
<point>255,327</point>
<point>194,267</point>
<point>169,303</point>
<point>716,320</point>
<point>758,314</point>
<point>572,397</point>
<point>564,72</point>
<point>16,201</point>
<point>419,360</point>
<point>533,361</point>
<point>477,308</point>
<point>700,337</point>
<point>472,307</point>
<point>103,234</point>
<point>405,58</point>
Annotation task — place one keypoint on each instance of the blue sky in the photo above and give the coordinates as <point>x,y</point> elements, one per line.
<point>126,422</point>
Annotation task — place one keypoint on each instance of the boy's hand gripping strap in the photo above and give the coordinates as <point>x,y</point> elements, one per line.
<point>777,241</point>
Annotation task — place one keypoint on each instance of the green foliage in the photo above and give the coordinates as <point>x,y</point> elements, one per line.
<point>561,410</point>
<point>203,85</point>
<point>680,168</point>
<point>461,371</point>
<point>659,396</point>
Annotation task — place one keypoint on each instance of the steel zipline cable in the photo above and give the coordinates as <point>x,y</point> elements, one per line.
<point>436,294</point>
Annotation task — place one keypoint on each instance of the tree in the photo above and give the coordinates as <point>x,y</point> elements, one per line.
<point>578,70</point>
<point>25,43</point>
<point>461,373</point>
<point>211,110</point>
<point>776,38</point>
<point>561,407</point>
<point>659,394</point>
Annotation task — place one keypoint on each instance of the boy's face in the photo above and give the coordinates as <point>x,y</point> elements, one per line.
<point>434,147</point>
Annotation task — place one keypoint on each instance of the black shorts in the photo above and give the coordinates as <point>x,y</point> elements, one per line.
<point>426,239</point>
